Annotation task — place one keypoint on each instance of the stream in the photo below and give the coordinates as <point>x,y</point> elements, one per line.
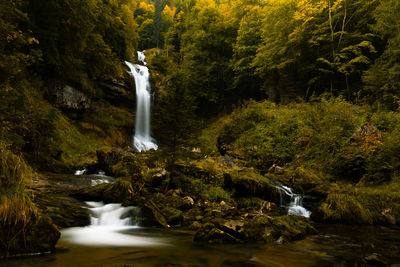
<point>114,238</point>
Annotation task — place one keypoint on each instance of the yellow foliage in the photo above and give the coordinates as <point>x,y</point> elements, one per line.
<point>169,11</point>
<point>146,7</point>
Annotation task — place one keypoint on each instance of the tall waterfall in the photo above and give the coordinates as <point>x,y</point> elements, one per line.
<point>142,140</point>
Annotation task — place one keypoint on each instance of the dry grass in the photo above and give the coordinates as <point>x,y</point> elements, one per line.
<point>15,199</point>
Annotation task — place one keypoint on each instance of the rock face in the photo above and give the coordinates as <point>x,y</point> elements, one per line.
<point>67,97</point>
<point>39,235</point>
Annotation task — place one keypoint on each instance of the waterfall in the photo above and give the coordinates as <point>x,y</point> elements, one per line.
<point>142,140</point>
<point>295,203</point>
<point>111,214</point>
<point>111,225</point>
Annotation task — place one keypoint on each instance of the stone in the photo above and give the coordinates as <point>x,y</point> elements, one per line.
<point>210,234</point>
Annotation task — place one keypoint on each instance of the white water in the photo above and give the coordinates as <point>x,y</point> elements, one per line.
<point>80,172</point>
<point>110,226</point>
<point>142,140</point>
<point>295,205</point>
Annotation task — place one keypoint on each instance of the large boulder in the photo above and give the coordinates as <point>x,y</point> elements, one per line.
<point>37,235</point>
<point>248,183</point>
<point>120,191</point>
<point>119,162</point>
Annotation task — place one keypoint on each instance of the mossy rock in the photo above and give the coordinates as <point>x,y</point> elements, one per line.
<point>248,183</point>
<point>38,235</point>
<point>119,162</point>
<point>211,234</point>
<point>64,211</point>
<point>268,229</point>
<point>160,215</point>
<point>120,191</point>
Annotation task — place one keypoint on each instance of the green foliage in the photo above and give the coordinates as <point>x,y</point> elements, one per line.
<point>314,142</point>
<point>382,79</point>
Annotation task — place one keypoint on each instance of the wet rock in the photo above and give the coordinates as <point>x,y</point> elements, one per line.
<point>119,191</point>
<point>269,229</point>
<point>67,97</point>
<point>233,227</point>
<point>38,235</point>
<point>64,211</point>
<point>153,216</point>
<point>210,234</point>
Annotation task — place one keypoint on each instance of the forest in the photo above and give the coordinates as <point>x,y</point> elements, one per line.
<point>273,122</point>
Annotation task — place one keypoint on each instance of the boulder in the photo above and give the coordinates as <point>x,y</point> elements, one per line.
<point>38,235</point>
<point>247,183</point>
<point>211,234</point>
<point>64,211</point>
<point>119,162</point>
<point>119,191</point>
<point>269,229</point>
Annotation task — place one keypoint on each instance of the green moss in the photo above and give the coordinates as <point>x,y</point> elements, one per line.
<point>267,229</point>
<point>215,194</point>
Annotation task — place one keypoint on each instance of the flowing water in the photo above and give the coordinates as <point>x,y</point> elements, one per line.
<point>335,245</point>
<point>111,225</point>
<point>290,201</point>
<point>142,139</point>
<point>115,238</point>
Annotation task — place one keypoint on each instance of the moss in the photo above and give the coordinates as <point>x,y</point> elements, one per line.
<point>248,183</point>
<point>267,229</point>
<point>120,191</point>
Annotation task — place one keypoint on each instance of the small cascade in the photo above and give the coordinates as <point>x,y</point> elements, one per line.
<point>142,140</point>
<point>111,225</point>
<point>112,214</point>
<point>292,202</point>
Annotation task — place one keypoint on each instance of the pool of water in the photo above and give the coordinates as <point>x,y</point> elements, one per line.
<point>335,245</point>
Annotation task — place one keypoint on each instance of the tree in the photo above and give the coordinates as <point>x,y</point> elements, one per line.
<point>383,78</point>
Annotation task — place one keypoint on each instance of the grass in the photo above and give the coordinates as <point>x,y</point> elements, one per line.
<point>317,146</point>
<point>15,199</point>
